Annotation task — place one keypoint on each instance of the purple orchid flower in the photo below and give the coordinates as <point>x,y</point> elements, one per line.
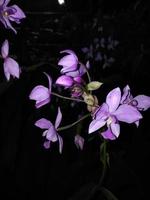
<point>11,13</point>
<point>11,67</point>
<point>41,94</point>
<point>73,77</point>
<point>110,113</point>
<point>51,130</point>
<point>79,141</point>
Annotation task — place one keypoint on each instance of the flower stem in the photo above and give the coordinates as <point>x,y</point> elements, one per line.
<point>74,123</point>
<point>68,98</point>
<point>104,161</point>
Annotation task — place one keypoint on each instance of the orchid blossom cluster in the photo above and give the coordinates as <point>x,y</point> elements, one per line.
<point>105,118</point>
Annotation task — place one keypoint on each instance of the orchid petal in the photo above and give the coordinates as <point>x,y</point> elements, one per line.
<point>127,113</point>
<point>64,80</point>
<point>19,14</point>
<point>51,134</point>
<point>126,97</point>
<point>39,92</point>
<point>12,67</point>
<point>7,23</point>
<point>143,102</point>
<point>115,128</point>
<point>95,125</point>
<point>5,49</point>
<point>102,112</point>
<point>43,123</point>
<point>108,135</point>
<point>137,123</point>
<point>113,99</point>
<point>6,72</point>
<point>78,79</point>
<point>4,2</point>
<point>58,118</point>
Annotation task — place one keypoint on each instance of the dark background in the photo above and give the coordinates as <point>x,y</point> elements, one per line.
<point>27,170</point>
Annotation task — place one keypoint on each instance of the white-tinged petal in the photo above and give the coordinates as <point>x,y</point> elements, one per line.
<point>113,99</point>
<point>115,128</point>
<point>6,72</point>
<point>12,67</point>
<point>5,49</point>
<point>96,125</point>
<point>51,134</point>
<point>58,118</point>
<point>39,93</point>
<point>43,124</point>
<point>65,81</point>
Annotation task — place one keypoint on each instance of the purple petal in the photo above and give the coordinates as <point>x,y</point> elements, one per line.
<point>60,143</point>
<point>126,97</point>
<point>95,125</point>
<point>51,134</point>
<point>78,79</point>
<point>12,67</point>
<point>39,93</point>
<point>115,128</point>
<point>108,135</point>
<point>43,123</point>
<point>46,144</point>
<point>17,15</point>
<point>64,80</point>
<point>58,118</point>
<point>5,49</point>
<point>70,52</point>
<point>4,2</point>
<point>42,103</point>
<point>68,69</point>
<point>113,99</point>
<point>69,61</point>
<point>137,123</point>
<point>143,102</point>
<point>79,141</point>
<point>127,113</point>
<point>73,73</point>
<point>102,112</point>
<point>7,23</point>
<point>6,72</point>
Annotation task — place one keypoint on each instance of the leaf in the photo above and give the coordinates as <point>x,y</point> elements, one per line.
<point>94,85</point>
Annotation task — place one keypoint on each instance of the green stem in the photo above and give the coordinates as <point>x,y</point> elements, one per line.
<point>104,163</point>
<point>74,123</point>
<point>68,98</point>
